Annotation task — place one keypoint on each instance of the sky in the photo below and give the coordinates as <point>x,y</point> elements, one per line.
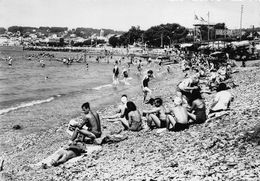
<point>122,14</point>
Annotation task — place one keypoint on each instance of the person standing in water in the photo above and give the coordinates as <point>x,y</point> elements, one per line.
<point>115,73</point>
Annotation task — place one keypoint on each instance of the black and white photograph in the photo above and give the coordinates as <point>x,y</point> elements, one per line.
<point>142,90</point>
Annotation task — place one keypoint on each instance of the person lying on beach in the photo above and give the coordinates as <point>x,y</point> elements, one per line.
<point>222,99</point>
<point>66,153</point>
<point>178,120</point>
<point>146,90</point>
<point>198,108</point>
<point>92,121</point>
<point>156,115</point>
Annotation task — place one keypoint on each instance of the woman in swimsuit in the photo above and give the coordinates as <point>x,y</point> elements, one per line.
<point>198,109</point>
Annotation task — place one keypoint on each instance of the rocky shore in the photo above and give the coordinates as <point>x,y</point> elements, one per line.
<point>225,148</point>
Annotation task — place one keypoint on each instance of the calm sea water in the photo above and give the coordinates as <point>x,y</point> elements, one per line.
<point>25,83</point>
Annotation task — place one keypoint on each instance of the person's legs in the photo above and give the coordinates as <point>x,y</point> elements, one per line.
<point>124,123</point>
<point>156,120</point>
<point>87,133</point>
<point>170,120</point>
<point>192,116</point>
<point>147,93</point>
<point>64,156</point>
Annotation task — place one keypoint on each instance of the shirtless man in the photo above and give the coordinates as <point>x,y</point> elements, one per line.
<point>66,153</point>
<point>179,117</point>
<point>91,120</point>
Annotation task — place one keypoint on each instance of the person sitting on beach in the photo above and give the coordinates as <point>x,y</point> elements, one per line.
<point>146,90</point>
<point>115,73</point>
<point>92,121</point>
<point>134,117</point>
<point>221,100</point>
<point>156,115</point>
<point>198,108</point>
<point>121,110</point>
<point>185,88</point>
<point>178,120</point>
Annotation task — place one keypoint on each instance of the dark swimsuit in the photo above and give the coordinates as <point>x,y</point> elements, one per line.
<point>145,82</point>
<point>200,115</point>
<point>180,127</point>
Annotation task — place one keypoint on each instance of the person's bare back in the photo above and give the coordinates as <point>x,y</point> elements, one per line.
<point>180,114</point>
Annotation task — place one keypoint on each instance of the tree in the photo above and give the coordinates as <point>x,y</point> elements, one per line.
<point>2,30</point>
<point>165,33</point>
<point>114,41</point>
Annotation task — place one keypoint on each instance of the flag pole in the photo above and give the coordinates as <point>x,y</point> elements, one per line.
<point>241,22</point>
<point>208,27</point>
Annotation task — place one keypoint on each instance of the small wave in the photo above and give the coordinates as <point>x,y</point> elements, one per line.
<point>28,104</point>
<point>102,86</point>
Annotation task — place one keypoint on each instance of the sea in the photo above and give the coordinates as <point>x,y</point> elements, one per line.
<point>26,83</point>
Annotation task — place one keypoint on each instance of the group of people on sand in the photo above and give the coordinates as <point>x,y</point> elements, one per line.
<point>187,107</point>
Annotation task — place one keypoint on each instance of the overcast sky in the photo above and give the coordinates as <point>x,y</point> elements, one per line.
<point>122,14</point>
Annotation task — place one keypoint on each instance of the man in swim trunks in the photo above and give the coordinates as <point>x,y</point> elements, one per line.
<point>92,121</point>
<point>179,117</point>
<point>146,90</point>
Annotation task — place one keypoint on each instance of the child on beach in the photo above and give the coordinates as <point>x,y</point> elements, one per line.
<point>92,121</point>
<point>178,120</point>
<point>157,115</point>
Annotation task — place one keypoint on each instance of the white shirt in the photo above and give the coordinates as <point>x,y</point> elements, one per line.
<point>222,98</point>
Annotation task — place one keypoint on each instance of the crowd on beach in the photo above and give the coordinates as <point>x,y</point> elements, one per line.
<point>202,75</point>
